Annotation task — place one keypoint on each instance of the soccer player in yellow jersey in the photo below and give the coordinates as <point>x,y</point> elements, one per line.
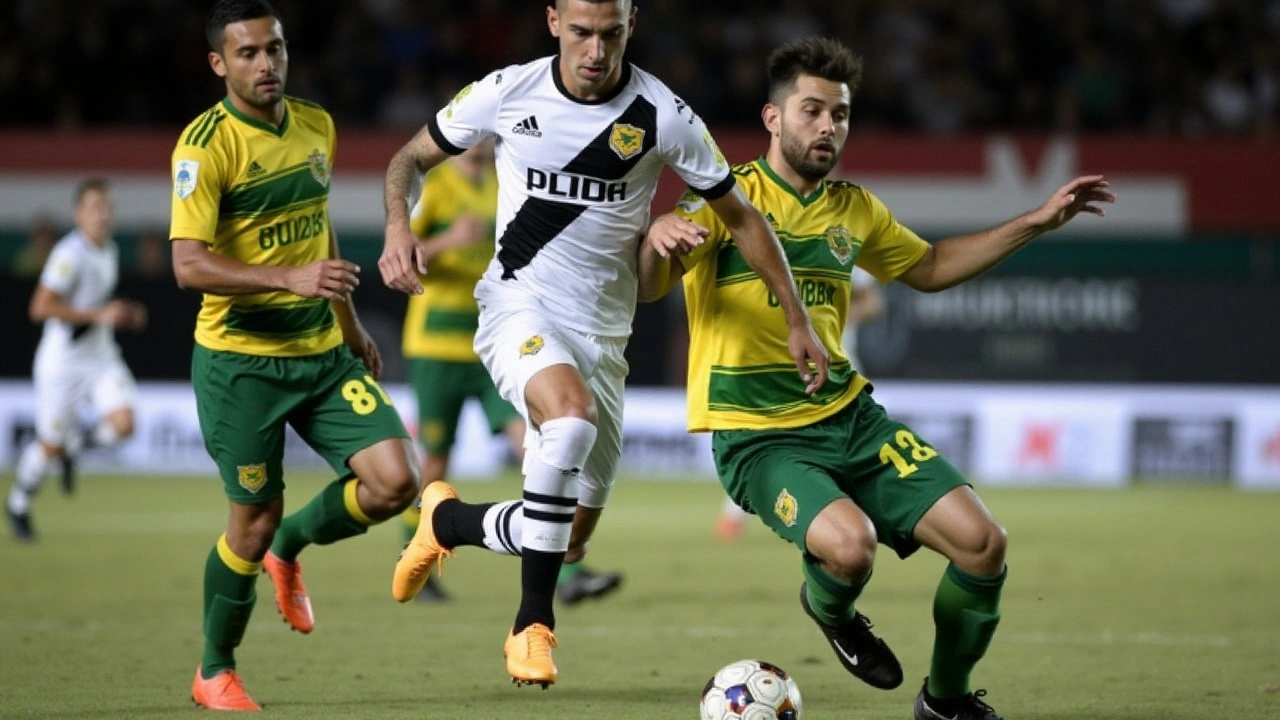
<point>454,216</point>
<point>277,338</point>
<point>832,472</point>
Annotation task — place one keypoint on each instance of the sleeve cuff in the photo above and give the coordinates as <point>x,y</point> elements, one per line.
<point>433,127</point>
<point>718,190</point>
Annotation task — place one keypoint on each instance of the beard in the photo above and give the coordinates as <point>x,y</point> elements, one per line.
<point>797,156</point>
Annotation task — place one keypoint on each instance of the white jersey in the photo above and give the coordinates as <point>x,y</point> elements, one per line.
<point>575,181</point>
<point>84,276</point>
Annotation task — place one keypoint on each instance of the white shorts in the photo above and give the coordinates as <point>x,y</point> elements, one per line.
<point>63,387</point>
<point>515,343</point>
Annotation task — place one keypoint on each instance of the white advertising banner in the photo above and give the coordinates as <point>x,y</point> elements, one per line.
<point>999,434</point>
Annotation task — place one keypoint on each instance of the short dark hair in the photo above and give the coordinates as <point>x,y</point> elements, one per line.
<point>88,185</point>
<point>822,57</point>
<point>226,12</point>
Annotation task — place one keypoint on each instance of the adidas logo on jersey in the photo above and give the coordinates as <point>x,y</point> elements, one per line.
<point>254,169</point>
<point>527,126</point>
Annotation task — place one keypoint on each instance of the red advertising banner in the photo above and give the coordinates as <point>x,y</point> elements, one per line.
<point>1165,185</point>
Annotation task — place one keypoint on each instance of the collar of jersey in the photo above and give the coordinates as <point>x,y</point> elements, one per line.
<point>803,200</point>
<point>265,127</point>
<point>623,80</point>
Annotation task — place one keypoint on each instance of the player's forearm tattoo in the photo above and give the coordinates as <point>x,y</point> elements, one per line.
<point>400,173</point>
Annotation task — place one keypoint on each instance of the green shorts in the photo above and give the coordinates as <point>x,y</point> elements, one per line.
<point>787,477</point>
<point>442,387</point>
<point>244,401</point>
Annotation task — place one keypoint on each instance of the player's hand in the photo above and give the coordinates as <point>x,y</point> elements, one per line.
<point>1080,195</point>
<point>670,234</point>
<point>137,320</point>
<point>331,279</point>
<point>363,347</point>
<point>118,314</point>
<point>403,260</point>
<point>469,230</point>
<point>810,355</point>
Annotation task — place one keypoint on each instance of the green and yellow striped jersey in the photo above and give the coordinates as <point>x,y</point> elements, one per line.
<point>440,324</point>
<point>260,195</point>
<point>741,375</point>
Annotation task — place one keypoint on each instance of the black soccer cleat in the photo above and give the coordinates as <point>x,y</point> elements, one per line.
<point>20,523</point>
<point>864,655</point>
<point>586,585</point>
<point>68,475</point>
<point>433,592</point>
<point>965,707</point>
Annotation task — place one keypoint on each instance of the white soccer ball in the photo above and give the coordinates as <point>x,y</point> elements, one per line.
<point>750,690</point>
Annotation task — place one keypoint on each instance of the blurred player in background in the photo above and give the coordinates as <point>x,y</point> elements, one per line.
<point>454,216</point>
<point>866,303</point>
<point>582,140</point>
<point>277,339</point>
<point>77,361</point>
<point>831,472</point>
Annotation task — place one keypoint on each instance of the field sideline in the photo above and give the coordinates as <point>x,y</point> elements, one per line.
<point>1150,602</point>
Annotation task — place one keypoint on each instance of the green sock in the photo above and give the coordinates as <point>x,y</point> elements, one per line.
<point>568,570</point>
<point>830,599</point>
<point>328,518</point>
<point>966,611</point>
<point>229,597</point>
<point>409,523</point>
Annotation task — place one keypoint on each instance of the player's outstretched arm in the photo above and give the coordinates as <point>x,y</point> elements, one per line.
<point>954,260</point>
<point>403,259</point>
<point>762,251</point>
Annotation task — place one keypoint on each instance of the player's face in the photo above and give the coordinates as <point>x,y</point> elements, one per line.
<point>94,215</point>
<point>593,38</point>
<point>254,62</point>
<point>814,125</point>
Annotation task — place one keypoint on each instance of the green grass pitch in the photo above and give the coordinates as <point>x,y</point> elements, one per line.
<point>1136,604</point>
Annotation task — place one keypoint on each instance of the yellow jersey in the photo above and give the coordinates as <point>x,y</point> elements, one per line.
<point>741,375</point>
<point>258,194</point>
<point>440,324</point>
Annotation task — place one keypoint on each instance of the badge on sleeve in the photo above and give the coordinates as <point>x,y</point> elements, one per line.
<point>185,173</point>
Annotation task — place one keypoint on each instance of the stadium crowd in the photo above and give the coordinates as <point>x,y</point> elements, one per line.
<point>1184,67</point>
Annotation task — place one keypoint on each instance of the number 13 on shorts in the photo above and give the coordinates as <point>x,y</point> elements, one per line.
<point>906,442</point>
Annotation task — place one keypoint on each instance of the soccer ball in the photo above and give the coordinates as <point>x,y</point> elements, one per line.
<point>750,690</point>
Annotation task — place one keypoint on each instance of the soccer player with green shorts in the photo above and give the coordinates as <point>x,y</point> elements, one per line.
<point>831,472</point>
<point>454,217</point>
<point>277,339</point>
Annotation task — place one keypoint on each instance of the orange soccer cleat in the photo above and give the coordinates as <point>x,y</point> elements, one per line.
<point>422,553</point>
<point>291,595</point>
<point>528,654</point>
<point>223,691</point>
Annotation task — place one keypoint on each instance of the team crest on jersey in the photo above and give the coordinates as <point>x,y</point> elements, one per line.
<point>841,243</point>
<point>626,140</point>
<point>252,477</point>
<point>319,167</point>
<point>786,507</point>
<point>185,175</point>
<point>531,346</point>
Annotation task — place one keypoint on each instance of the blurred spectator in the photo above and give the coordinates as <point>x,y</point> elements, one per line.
<point>30,258</point>
<point>1171,66</point>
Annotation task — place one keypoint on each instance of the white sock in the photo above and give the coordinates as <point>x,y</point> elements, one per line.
<point>32,466</point>
<point>551,483</point>
<point>503,524</point>
<point>105,435</point>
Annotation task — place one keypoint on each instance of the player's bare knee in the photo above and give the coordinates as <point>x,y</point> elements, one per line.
<point>982,551</point>
<point>123,425</point>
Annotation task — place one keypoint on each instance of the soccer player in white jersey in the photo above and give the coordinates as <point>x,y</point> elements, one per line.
<point>77,360</point>
<point>582,137</point>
